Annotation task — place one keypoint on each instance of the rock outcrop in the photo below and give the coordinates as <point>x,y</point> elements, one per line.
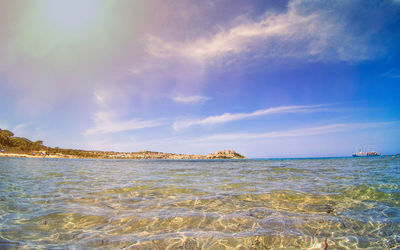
<point>225,154</point>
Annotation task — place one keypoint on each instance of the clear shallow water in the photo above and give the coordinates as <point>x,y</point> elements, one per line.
<point>251,204</point>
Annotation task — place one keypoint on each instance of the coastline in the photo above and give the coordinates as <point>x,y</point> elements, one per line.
<point>222,154</point>
<point>38,156</point>
<point>12,146</point>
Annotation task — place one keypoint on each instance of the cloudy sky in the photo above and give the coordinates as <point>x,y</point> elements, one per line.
<point>271,78</point>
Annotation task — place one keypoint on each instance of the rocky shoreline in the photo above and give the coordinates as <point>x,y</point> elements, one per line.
<point>145,155</point>
<point>13,146</point>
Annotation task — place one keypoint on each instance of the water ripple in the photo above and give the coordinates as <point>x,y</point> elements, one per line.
<point>250,204</point>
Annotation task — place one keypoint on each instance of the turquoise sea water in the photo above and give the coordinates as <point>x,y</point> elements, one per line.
<point>248,204</point>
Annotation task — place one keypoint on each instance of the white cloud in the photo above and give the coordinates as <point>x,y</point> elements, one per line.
<point>325,129</point>
<point>104,124</point>
<point>190,99</point>
<point>229,117</point>
<point>307,29</point>
<point>259,142</point>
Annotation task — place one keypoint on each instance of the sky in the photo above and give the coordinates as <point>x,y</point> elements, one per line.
<point>298,78</point>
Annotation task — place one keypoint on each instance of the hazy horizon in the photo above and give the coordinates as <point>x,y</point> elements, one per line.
<point>268,79</point>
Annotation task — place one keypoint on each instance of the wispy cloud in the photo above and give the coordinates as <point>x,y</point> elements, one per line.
<point>244,141</point>
<point>26,129</point>
<point>393,73</point>
<point>17,129</point>
<point>307,30</point>
<point>229,117</point>
<point>189,99</point>
<point>100,97</point>
<point>316,130</point>
<point>104,124</point>
<point>233,41</point>
<point>106,120</point>
<point>20,127</point>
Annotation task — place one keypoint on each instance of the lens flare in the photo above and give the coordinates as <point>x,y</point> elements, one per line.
<point>59,32</point>
<point>72,15</point>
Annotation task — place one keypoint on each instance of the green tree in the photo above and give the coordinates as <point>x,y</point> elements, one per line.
<point>4,140</point>
<point>21,143</point>
<point>39,142</point>
<point>6,133</point>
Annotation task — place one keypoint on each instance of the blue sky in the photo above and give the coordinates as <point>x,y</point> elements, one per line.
<point>266,78</point>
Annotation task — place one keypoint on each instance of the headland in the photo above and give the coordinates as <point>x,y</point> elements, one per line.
<point>12,146</point>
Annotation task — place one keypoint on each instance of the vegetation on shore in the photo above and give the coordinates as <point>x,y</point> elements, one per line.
<point>10,144</point>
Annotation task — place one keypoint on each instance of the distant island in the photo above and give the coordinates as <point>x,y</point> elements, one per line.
<point>12,146</point>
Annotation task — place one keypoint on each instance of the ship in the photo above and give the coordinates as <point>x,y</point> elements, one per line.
<point>366,153</point>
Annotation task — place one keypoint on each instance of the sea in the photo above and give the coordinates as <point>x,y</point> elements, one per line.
<point>326,203</point>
